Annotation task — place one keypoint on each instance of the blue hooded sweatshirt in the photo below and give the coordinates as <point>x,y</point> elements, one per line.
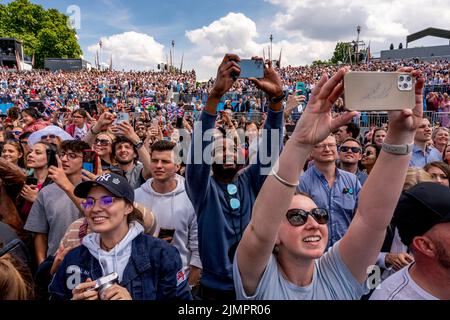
<point>219,226</point>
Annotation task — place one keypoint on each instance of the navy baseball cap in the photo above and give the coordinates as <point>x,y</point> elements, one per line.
<point>112,182</point>
<point>420,209</point>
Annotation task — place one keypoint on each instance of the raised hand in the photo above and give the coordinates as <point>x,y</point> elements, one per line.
<point>226,75</point>
<point>271,83</point>
<point>317,122</point>
<point>403,124</point>
<point>293,102</point>
<point>58,175</point>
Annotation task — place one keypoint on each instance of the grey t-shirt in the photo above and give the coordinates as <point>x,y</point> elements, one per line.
<point>331,281</point>
<point>52,213</point>
<point>400,286</point>
<point>134,176</point>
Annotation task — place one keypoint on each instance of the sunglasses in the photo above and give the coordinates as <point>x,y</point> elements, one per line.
<point>50,136</point>
<point>70,155</point>
<point>353,149</point>
<point>235,203</point>
<point>298,217</point>
<point>104,202</point>
<point>16,133</point>
<point>102,142</point>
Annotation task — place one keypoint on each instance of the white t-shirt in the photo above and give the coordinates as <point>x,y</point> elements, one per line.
<point>332,280</point>
<point>400,286</point>
<point>79,134</point>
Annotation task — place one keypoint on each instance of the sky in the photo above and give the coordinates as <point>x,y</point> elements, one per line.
<point>138,34</point>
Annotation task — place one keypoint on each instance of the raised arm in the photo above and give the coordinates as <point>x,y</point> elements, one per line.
<point>274,198</point>
<point>362,243</point>
<point>197,170</point>
<point>268,148</point>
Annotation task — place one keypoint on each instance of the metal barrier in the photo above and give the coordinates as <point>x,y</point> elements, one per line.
<point>366,120</point>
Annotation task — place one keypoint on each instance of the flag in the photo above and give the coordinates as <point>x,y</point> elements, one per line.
<point>181,67</point>
<point>18,62</point>
<point>368,54</point>
<point>146,102</point>
<point>98,62</point>
<point>279,59</point>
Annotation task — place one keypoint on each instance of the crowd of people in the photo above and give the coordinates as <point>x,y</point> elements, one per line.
<point>142,198</point>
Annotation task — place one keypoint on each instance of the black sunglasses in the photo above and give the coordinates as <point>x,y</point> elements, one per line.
<point>49,136</point>
<point>298,217</point>
<point>353,149</point>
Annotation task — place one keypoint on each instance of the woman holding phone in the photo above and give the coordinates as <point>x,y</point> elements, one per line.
<point>103,146</point>
<point>41,157</point>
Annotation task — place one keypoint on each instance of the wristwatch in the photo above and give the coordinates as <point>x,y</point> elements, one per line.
<point>402,149</point>
<point>139,144</point>
<point>278,99</point>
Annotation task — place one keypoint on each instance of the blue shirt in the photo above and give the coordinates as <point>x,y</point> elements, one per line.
<point>340,200</point>
<point>420,159</point>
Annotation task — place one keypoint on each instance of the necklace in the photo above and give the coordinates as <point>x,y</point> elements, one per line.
<point>104,247</point>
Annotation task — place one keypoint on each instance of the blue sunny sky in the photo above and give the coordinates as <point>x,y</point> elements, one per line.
<point>138,34</point>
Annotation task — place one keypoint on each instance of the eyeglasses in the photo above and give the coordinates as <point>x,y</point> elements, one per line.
<point>50,136</point>
<point>324,146</point>
<point>298,217</point>
<point>16,133</point>
<point>102,142</point>
<point>104,202</point>
<point>368,153</point>
<point>70,155</point>
<point>353,149</point>
<point>235,203</point>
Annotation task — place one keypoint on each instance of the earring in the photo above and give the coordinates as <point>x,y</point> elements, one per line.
<point>276,250</point>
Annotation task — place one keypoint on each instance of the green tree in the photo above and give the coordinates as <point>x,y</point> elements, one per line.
<point>45,33</point>
<point>321,63</point>
<point>340,52</point>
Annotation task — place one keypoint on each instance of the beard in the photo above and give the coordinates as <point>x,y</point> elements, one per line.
<point>223,173</point>
<point>124,162</point>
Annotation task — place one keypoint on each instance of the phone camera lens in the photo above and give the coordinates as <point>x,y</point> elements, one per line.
<point>408,79</point>
<point>405,86</point>
<point>402,79</point>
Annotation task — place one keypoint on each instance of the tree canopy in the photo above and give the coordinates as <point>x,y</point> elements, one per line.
<point>45,33</point>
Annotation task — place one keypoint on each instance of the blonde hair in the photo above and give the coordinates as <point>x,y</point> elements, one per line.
<point>13,285</point>
<point>415,176</point>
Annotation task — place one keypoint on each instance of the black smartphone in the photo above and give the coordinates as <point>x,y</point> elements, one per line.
<point>31,181</point>
<point>166,234</point>
<point>51,158</point>
<point>90,161</point>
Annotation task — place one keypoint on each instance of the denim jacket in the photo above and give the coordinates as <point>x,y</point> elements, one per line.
<point>154,272</point>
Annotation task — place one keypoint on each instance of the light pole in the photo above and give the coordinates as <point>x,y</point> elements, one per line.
<point>358,29</point>
<point>271,41</point>
<point>173,52</point>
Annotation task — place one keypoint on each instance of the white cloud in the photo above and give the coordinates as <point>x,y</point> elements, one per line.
<point>383,22</point>
<point>130,51</point>
<point>236,33</point>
